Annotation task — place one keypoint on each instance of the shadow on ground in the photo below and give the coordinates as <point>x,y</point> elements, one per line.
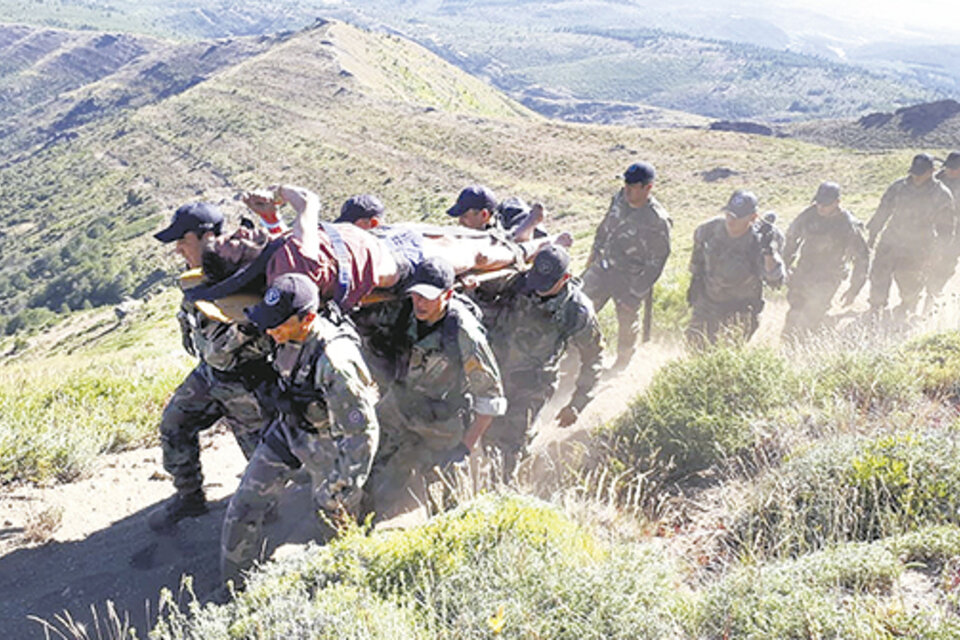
<point>128,564</point>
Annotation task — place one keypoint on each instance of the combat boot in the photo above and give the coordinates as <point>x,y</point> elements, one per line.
<point>175,509</point>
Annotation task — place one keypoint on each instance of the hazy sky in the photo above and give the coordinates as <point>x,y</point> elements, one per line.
<point>941,16</point>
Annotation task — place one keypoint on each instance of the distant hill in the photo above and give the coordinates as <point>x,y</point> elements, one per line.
<point>926,125</point>
<point>592,65</point>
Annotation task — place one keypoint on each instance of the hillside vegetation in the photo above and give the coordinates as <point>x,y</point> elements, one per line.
<point>567,58</point>
<point>342,111</point>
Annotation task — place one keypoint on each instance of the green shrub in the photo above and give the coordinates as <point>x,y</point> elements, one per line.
<point>871,380</point>
<point>936,359</point>
<point>700,410</point>
<point>853,488</point>
<point>504,566</point>
<point>841,592</point>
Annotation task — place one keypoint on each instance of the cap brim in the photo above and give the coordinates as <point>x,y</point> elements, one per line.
<point>428,291</point>
<point>456,211</point>
<point>342,220</point>
<point>168,235</point>
<point>263,317</point>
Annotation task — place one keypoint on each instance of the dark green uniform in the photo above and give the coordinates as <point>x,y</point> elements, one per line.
<point>529,335</point>
<point>328,426</point>
<point>630,248</point>
<point>911,222</point>
<point>443,374</point>
<point>726,279</point>
<point>816,254</point>
<point>233,362</point>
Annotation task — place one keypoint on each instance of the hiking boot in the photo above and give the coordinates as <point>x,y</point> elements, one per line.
<point>175,509</point>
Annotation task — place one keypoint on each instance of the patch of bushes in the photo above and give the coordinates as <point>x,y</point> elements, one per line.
<point>869,379</point>
<point>846,591</point>
<point>500,566</point>
<point>699,411</point>
<point>853,488</point>
<point>936,359</point>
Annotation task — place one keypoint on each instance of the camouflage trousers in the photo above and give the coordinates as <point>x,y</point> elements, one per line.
<point>600,286</point>
<point>410,447</point>
<point>906,267</point>
<point>338,469</point>
<point>710,321</point>
<point>197,404</point>
<point>809,303</point>
<point>512,433</point>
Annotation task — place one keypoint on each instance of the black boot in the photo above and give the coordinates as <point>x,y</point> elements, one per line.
<point>175,509</point>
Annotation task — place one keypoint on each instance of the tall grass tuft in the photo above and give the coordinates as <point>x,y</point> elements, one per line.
<point>699,411</point>
<point>852,488</point>
<point>57,416</point>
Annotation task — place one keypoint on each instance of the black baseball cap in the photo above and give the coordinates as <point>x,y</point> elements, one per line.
<point>360,207</point>
<point>473,197</point>
<point>742,203</point>
<point>641,172</point>
<point>198,217</point>
<point>290,293</point>
<point>922,163</point>
<point>432,277</point>
<point>548,267</point>
<point>952,161</point>
<point>827,193</point>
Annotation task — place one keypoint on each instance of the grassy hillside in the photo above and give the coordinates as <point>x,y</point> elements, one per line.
<point>580,53</point>
<point>345,111</point>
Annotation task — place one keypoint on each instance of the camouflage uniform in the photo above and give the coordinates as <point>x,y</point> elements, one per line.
<point>912,221</point>
<point>630,248</point>
<point>726,280</point>
<point>443,374</point>
<point>825,244</point>
<point>529,336</point>
<point>947,249</point>
<point>327,425</point>
<point>233,361</point>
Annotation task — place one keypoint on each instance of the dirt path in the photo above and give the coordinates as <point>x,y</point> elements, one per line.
<point>67,547</point>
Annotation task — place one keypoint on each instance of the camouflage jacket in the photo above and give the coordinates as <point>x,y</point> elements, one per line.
<point>530,334</point>
<point>449,363</point>
<point>911,216</point>
<point>324,384</point>
<point>226,345</point>
<point>633,243</point>
<point>825,246</point>
<point>731,270</point>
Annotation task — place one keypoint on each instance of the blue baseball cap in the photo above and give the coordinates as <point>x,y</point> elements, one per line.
<point>290,293</point>
<point>432,277</point>
<point>548,267</point>
<point>742,203</point>
<point>922,163</point>
<point>198,217</point>
<point>641,172</point>
<point>360,207</point>
<point>473,197</point>
<point>827,193</point>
